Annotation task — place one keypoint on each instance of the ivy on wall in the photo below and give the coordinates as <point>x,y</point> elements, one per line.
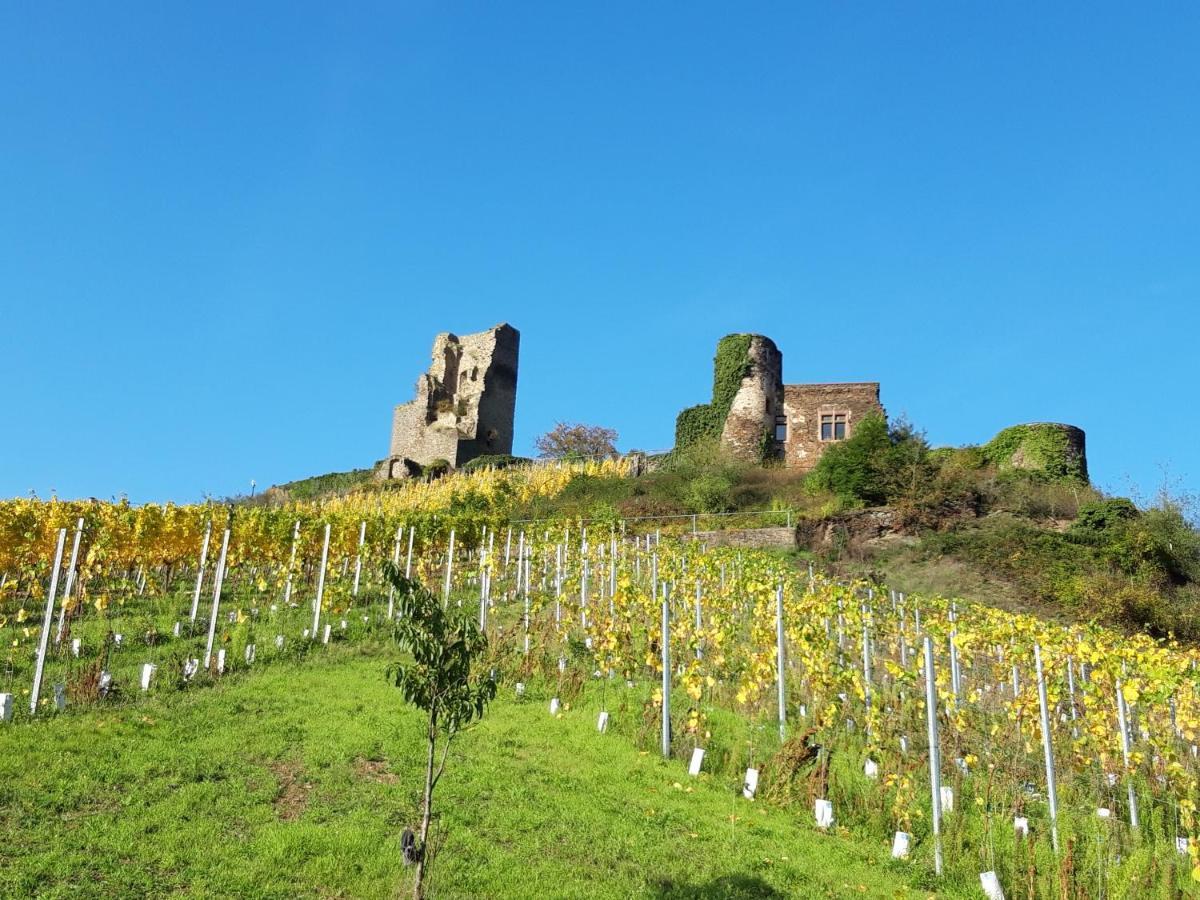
<point>1046,448</point>
<point>730,366</point>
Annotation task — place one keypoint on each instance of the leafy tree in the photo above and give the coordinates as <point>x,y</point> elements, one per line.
<point>577,440</point>
<point>877,465</point>
<point>855,469</point>
<point>444,644</point>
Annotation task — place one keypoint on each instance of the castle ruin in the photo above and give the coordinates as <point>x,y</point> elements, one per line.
<point>756,417</point>
<point>464,404</point>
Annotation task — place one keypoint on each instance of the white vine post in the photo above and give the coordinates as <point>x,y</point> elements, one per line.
<point>954,672</point>
<point>395,562</point>
<point>558,579</point>
<point>449,570</point>
<point>612,576</point>
<point>200,570</point>
<point>44,640</point>
<point>287,588</point>
<point>1047,749</point>
<point>528,569</point>
<point>408,562</point>
<point>317,600</point>
<point>780,661</point>
<point>699,623</point>
<point>217,583</point>
<point>526,616</point>
<point>66,594</point>
<point>1123,722</point>
<point>483,591</point>
<point>583,593</point>
<point>666,672</point>
<point>935,754</point>
<point>866,670</point>
<point>362,537</point>
<point>1071,688</point>
<point>520,561</point>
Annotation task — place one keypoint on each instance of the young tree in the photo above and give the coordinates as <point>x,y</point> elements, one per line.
<point>568,440</point>
<point>439,680</point>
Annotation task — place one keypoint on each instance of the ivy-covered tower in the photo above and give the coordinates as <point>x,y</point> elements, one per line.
<point>747,399</point>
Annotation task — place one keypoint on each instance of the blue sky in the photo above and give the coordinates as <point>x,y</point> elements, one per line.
<point>229,232</point>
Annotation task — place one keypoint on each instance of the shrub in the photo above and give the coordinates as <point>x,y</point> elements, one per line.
<point>857,469</point>
<point>495,461</point>
<point>435,469</point>
<point>710,492</point>
<point>1100,516</point>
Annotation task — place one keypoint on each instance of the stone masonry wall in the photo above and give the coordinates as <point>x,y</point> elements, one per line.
<point>756,403</point>
<point>805,403</point>
<point>464,403</point>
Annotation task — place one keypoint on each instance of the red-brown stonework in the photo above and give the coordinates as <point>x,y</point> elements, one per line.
<point>804,406</point>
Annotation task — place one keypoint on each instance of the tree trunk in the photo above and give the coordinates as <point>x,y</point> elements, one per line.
<point>426,809</point>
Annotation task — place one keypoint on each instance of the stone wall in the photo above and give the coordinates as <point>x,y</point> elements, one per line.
<point>804,405</point>
<point>464,403</point>
<point>757,402</point>
<point>746,537</point>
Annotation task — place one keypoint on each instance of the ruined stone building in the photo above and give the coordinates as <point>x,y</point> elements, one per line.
<point>756,416</point>
<point>464,404</point>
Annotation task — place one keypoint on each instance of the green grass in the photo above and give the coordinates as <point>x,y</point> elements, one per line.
<point>323,485</point>
<point>297,780</point>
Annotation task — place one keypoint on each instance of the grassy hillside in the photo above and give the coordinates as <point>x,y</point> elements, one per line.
<point>297,781</point>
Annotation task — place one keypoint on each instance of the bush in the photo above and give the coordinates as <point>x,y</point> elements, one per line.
<point>711,492</point>
<point>1100,516</point>
<point>495,461</point>
<point>435,469</point>
<point>874,464</point>
<point>1032,495</point>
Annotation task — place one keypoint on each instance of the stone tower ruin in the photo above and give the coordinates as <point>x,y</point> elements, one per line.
<point>464,404</point>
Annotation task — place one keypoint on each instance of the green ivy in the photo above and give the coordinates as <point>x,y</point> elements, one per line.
<point>1046,447</point>
<point>730,366</point>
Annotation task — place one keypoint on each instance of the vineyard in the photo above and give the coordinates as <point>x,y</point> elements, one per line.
<point>981,747</point>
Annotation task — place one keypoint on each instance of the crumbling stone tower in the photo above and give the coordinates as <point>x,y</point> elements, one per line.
<point>464,404</point>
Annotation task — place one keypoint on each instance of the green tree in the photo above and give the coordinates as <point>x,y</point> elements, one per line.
<point>439,680</point>
<point>855,469</point>
<point>574,441</point>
